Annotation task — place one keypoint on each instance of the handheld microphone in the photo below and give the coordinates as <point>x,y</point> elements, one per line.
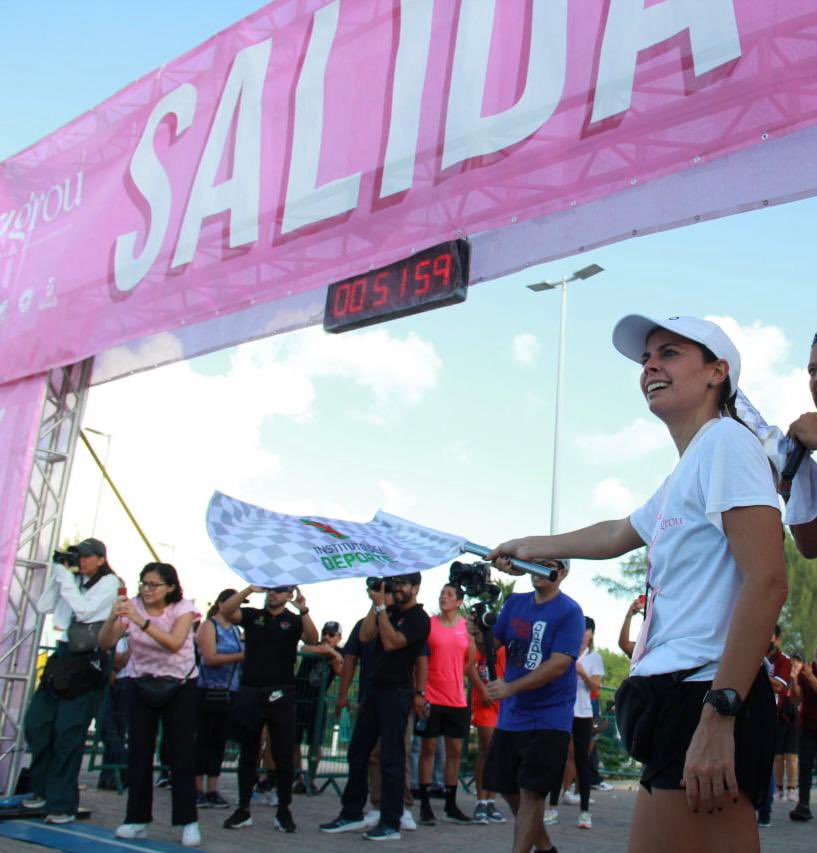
<point>793,459</point>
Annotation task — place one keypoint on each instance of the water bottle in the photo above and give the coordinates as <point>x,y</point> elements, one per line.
<point>422,722</point>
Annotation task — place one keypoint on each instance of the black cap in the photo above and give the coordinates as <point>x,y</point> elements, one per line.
<point>414,578</point>
<point>330,628</point>
<point>91,548</point>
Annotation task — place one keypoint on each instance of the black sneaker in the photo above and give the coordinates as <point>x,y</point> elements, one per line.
<point>202,802</point>
<point>216,801</point>
<point>238,819</point>
<point>455,815</point>
<point>283,821</point>
<point>382,833</point>
<point>495,815</point>
<point>426,815</point>
<point>800,813</point>
<point>343,824</point>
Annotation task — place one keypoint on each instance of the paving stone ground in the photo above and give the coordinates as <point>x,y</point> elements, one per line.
<point>611,817</point>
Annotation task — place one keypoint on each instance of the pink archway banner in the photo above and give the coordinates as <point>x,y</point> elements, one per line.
<point>315,140</point>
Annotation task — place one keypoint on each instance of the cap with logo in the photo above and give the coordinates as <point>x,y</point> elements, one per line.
<point>630,338</point>
<point>91,548</point>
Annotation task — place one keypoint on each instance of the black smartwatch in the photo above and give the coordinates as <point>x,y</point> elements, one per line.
<point>726,702</point>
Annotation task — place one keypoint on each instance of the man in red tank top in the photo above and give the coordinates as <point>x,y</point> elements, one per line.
<point>451,657</point>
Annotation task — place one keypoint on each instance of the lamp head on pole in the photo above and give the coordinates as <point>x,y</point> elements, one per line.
<point>579,275</point>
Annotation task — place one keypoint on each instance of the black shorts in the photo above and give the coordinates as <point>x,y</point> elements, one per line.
<point>532,760</point>
<point>678,714</point>
<point>445,720</point>
<point>787,737</point>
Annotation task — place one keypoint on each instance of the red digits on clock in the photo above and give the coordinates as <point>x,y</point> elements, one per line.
<point>381,289</point>
<point>357,295</point>
<point>419,275</point>
<point>442,269</point>
<point>341,305</point>
<point>403,282</point>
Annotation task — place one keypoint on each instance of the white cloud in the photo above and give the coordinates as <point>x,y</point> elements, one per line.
<point>525,348</point>
<point>635,440</point>
<point>395,500</point>
<point>772,375</point>
<point>613,498</point>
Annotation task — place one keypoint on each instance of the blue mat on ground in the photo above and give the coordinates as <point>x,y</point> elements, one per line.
<point>79,837</point>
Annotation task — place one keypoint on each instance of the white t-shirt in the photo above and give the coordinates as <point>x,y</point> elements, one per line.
<point>592,664</point>
<point>693,574</point>
<point>802,505</point>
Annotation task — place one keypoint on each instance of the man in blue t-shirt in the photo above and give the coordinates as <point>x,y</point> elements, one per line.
<point>542,632</point>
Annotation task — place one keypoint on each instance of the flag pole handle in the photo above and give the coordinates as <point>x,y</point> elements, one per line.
<point>531,568</point>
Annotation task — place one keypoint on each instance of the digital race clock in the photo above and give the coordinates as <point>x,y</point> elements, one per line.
<point>430,279</point>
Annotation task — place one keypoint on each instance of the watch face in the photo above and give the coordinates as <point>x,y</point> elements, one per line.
<point>727,701</point>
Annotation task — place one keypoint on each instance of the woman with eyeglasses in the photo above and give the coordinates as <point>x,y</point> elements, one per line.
<point>159,622</point>
<point>702,701</point>
<point>221,651</point>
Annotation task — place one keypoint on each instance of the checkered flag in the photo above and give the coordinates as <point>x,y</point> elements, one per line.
<point>271,549</point>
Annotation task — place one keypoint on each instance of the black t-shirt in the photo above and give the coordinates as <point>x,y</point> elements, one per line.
<point>270,647</point>
<point>396,669</point>
<point>363,652</point>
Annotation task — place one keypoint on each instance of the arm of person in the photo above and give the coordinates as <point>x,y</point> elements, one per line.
<point>112,629</point>
<point>805,538</point>
<point>804,429</point>
<point>229,607</point>
<point>51,593</point>
<point>84,605</point>
<point>549,670</point>
<point>600,541</point>
<point>477,684</point>
<point>755,539</point>
<point>593,682</point>
<point>309,633</point>
<point>624,642</point>
<point>206,641</point>
<point>171,640</point>
<point>420,681</point>
<point>392,639</point>
<point>120,660</point>
<point>347,674</point>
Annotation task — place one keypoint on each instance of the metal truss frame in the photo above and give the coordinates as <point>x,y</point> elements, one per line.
<point>65,396</point>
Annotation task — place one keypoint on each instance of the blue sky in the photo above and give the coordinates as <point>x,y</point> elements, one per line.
<point>447,417</point>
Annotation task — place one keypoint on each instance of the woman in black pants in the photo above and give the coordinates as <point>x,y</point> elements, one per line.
<point>159,622</point>
<point>221,652</point>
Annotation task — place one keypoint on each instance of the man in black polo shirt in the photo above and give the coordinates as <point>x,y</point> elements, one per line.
<point>267,693</point>
<point>399,631</point>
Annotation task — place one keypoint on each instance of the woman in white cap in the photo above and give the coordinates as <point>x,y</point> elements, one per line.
<point>716,585</point>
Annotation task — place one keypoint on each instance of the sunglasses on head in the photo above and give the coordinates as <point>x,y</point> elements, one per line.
<point>331,628</point>
<point>280,589</point>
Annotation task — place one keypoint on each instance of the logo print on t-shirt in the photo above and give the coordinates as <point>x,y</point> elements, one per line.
<point>285,625</point>
<point>534,657</point>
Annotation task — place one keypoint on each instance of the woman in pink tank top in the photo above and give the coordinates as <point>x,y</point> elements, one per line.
<point>451,657</point>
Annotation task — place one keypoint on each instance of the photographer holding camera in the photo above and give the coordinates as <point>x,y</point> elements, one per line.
<point>74,679</point>
<point>542,633</point>
<point>399,628</point>
<point>267,692</point>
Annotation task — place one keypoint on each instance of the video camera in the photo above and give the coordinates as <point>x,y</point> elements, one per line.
<point>474,578</point>
<point>68,557</point>
<point>380,585</point>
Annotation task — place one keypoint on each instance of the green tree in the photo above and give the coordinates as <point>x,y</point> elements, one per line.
<point>616,669</point>
<point>798,617</point>
<point>633,572</point>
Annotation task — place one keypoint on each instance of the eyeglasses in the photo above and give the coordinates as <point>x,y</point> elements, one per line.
<point>150,585</point>
<point>280,589</point>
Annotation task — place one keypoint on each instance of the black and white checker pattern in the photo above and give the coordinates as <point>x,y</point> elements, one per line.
<point>272,549</point>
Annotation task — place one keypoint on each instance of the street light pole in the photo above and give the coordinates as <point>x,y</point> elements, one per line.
<point>585,272</point>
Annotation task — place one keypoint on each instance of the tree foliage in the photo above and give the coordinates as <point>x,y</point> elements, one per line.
<point>616,669</point>
<point>799,617</point>
<point>633,572</point>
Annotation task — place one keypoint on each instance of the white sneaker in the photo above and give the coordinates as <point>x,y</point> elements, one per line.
<point>780,795</point>
<point>407,821</point>
<point>791,795</point>
<point>33,802</point>
<point>132,830</point>
<point>371,819</point>
<point>602,786</point>
<point>570,798</point>
<point>585,821</point>
<point>551,817</point>
<point>191,837</point>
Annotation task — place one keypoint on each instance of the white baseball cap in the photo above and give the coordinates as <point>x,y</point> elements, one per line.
<point>630,337</point>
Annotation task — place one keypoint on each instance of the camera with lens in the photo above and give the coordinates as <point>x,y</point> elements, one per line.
<point>68,557</point>
<point>474,578</point>
<point>380,585</point>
